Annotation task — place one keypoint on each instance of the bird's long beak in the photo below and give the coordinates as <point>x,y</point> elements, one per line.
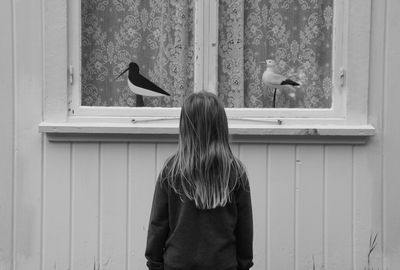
<point>122,73</point>
<point>262,62</point>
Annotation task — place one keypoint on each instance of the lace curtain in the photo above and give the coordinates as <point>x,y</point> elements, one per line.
<point>156,34</point>
<point>159,36</point>
<point>297,34</point>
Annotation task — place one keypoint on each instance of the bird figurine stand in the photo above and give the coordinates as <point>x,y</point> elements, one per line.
<point>277,81</point>
<point>140,85</point>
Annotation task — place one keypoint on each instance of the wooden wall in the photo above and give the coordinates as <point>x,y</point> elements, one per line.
<point>70,205</point>
<point>306,201</point>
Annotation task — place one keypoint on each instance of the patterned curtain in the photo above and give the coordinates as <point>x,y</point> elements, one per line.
<point>297,34</point>
<point>159,36</point>
<point>156,34</point>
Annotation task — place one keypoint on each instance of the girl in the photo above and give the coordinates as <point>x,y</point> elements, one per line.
<point>201,216</point>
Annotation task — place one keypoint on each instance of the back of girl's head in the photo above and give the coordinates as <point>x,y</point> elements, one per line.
<point>204,169</point>
<point>203,121</point>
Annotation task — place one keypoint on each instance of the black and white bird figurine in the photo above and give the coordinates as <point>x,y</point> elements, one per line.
<point>277,81</point>
<point>140,85</point>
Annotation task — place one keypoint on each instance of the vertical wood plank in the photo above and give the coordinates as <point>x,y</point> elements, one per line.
<point>235,149</point>
<point>6,135</point>
<point>85,216</point>
<point>57,202</point>
<point>310,206</point>
<point>339,207</point>
<point>367,159</point>
<point>56,60</point>
<point>255,159</point>
<point>27,90</point>
<point>391,146</point>
<point>142,168</point>
<point>281,219</point>
<point>113,205</point>
<point>164,150</point>
<point>366,173</point>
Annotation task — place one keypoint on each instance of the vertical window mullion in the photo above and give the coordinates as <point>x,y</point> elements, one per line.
<point>198,45</point>
<point>338,57</point>
<point>212,45</point>
<point>206,45</point>
<point>74,55</point>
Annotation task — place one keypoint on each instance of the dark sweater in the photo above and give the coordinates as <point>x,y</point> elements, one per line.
<point>182,237</point>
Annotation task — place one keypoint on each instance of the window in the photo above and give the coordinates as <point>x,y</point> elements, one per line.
<point>157,35</point>
<point>341,87</point>
<point>160,35</point>
<point>296,34</point>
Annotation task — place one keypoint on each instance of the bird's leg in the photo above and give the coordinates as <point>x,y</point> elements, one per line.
<point>139,101</point>
<point>273,101</point>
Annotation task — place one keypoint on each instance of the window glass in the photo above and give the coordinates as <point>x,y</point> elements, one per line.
<point>157,35</point>
<point>296,34</point>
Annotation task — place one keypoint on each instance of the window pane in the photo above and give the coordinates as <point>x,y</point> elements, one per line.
<point>297,34</point>
<point>157,35</point>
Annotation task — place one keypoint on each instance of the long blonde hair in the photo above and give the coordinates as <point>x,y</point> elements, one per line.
<point>204,168</point>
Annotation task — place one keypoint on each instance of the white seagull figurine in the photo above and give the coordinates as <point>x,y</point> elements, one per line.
<point>277,81</point>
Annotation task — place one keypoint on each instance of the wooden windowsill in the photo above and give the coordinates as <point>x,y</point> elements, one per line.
<point>240,133</point>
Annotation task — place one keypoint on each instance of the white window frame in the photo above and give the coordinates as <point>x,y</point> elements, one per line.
<point>352,23</point>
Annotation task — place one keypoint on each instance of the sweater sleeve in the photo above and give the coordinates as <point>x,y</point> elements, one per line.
<point>158,228</point>
<point>244,228</point>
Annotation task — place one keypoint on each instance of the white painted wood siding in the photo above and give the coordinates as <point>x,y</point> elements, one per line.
<point>72,205</point>
<point>99,198</point>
